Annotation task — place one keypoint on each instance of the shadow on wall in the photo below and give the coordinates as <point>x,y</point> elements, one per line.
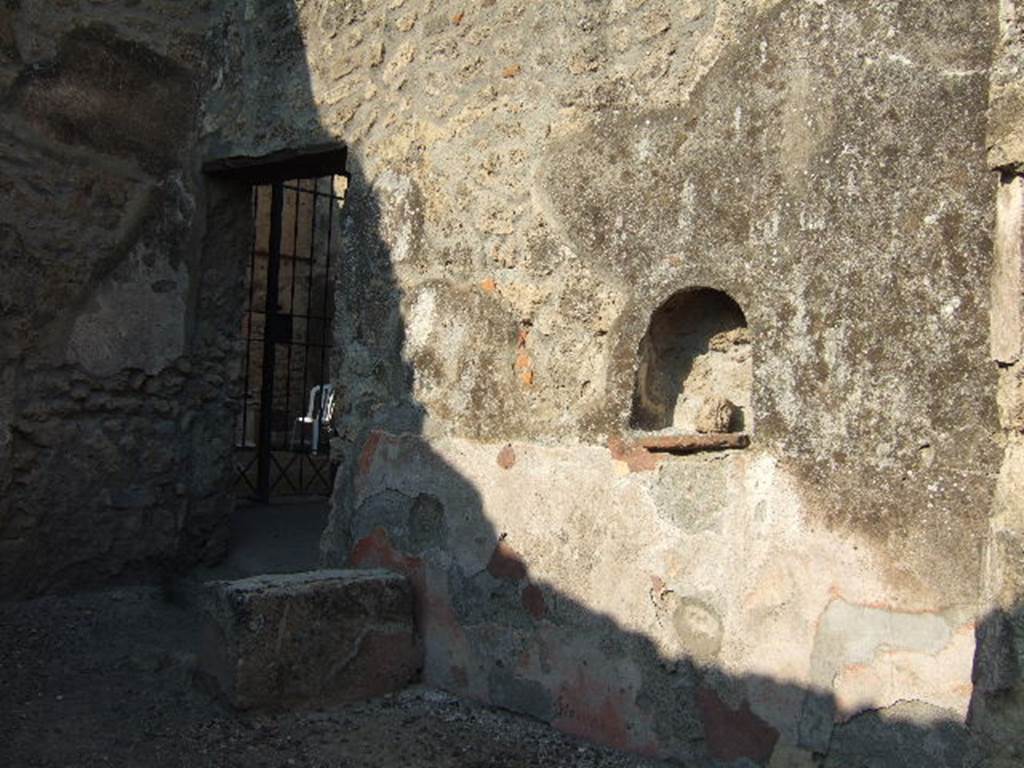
<point>493,633</point>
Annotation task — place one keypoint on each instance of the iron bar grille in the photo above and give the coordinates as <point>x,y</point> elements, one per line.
<point>284,423</point>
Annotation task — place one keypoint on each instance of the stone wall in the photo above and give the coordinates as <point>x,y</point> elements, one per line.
<point>530,182</point>
<point>997,706</point>
<point>118,329</point>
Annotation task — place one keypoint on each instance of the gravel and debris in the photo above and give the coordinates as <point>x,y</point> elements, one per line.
<point>106,679</point>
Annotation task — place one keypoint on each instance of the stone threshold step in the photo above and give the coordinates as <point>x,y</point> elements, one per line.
<point>301,640</point>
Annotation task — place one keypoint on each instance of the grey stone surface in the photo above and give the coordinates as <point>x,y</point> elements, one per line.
<point>309,639</point>
<point>118,331</point>
<point>716,415</point>
<point>1006,91</point>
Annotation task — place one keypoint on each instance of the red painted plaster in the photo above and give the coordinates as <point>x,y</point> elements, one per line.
<point>732,734</point>
<point>506,563</point>
<point>533,601</point>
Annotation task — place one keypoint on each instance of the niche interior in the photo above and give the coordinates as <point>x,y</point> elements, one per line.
<point>695,370</point>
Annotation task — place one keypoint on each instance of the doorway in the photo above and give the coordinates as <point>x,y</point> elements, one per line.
<point>285,400</point>
<point>285,417</point>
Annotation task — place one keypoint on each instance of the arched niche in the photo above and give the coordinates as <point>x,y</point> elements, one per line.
<point>695,371</point>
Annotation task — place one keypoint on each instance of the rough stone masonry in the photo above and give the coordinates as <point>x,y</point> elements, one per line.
<point>530,184</point>
<point>115,362</point>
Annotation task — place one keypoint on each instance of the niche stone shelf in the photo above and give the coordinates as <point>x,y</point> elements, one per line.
<point>684,444</point>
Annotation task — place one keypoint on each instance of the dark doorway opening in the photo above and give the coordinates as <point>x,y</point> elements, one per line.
<point>284,423</point>
<point>286,403</point>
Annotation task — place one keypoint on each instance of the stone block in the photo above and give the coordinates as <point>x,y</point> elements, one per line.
<point>1005,307</point>
<point>309,639</point>
<point>716,415</point>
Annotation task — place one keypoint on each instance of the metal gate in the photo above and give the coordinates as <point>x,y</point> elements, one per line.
<point>284,425</point>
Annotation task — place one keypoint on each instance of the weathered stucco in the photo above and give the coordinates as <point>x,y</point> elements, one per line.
<point>550,583</point>
<point>114,349</point>
<point>529,183</point>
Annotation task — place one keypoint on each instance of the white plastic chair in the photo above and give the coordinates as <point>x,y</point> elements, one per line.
<point>319,413</point>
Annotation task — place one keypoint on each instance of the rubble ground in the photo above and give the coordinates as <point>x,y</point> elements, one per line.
<point>106,679</point>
